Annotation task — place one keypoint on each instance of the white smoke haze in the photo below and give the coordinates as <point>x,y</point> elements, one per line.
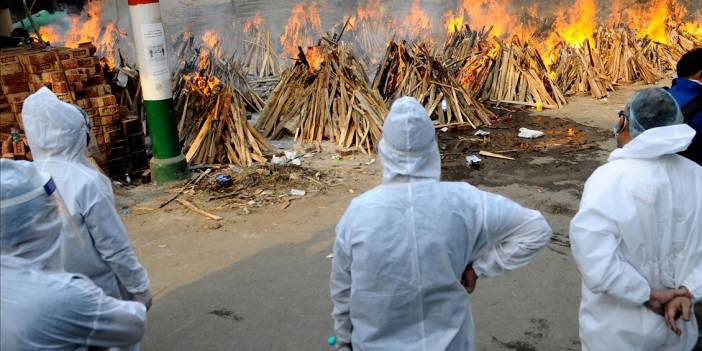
<point>225,17</point>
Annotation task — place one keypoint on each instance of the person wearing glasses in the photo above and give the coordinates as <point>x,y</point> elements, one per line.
<point>636,238</point>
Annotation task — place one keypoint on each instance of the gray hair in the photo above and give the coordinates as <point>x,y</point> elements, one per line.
<point>652,108</point>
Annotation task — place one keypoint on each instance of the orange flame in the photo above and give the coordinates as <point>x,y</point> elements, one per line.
<point>577,23</point>
<point>314,57</point>
<point>253,23</point>
<point>416,21</point>
<point>84,27</point>
<point>452,22</point>
<point>373,10</point>
<point>303,25</point>
<point>486,13</point>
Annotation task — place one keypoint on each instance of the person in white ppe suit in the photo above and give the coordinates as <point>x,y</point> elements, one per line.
<point>402,248</point>
<point>41,306</point>
<point>637,237</point>
<point>57,134</point>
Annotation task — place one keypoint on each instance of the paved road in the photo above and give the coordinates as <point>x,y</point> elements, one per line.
<point>276,300</point>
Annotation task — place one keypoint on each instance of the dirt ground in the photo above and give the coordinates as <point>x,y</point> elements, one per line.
<point>247,281</point>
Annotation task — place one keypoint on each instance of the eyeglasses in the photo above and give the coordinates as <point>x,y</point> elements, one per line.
<point>620,125</point>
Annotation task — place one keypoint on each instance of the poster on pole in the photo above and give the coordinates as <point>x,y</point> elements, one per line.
<point>153,41</point>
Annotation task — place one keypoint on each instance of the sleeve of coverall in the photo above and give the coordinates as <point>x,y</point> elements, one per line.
<point>86,316</point>
<point>595,242</point>
<point>110,236</point>
<point>693,283</point>
<point>340,282</point>
<point>511,234</point>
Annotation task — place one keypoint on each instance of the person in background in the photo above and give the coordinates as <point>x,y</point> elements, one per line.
<point>41,306</point>
<point>687,91</point>
<point>57,134</point>
<point>636,238</point>
<point>404,249</point>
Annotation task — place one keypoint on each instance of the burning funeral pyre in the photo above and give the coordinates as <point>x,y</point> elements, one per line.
<point>325,96</point>
<point>212,97</point>
<point>492,53</point>
<point>410,70</point>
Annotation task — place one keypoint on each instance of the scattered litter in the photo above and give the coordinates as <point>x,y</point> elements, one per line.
<point>481,132</point>
<point>223,180</point>
<point>297,192</point>
<point>372,161</point>
<point>279,161</point>
<point>351,191</point>
<point>444,129</point>
<point>296,162</point>
<point>494,155</point>
<point>473,161</point>
<point>251,203</point>
<point>189,205</point>
<point>530,133</point>
<point>124,211</point>
<point>308,155</point>
<point>163,246</point>
<point>444,104</point>
<point>336,157</point>
<point>331,255</point>
<point>213,226</point>
<point>291,155</point>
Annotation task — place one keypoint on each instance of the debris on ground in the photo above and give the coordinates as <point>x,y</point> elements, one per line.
<point>252,187</point>
<point>527,133</point>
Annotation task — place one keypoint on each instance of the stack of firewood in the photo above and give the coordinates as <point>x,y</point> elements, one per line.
<point>410,70</point>
<point>580,70</point>
<point>463,44</point>
<point>624,58</point>
<point>469,55</point>
<point>212,97</point>
<point>260,57</point>
<point>325,95</point>
<point>520,77</point>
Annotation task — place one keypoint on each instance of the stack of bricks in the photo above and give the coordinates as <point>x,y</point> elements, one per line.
<point>75,76</point>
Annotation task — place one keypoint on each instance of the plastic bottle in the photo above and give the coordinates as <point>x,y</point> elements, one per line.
<point>331,341</point>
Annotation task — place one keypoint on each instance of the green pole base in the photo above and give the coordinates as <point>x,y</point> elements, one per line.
<point>169,170</point>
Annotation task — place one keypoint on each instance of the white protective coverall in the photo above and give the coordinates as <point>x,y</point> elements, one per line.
<point>57,135</point>
<point>402,247</point>
<point>639,228</point>
<point>41,307</point>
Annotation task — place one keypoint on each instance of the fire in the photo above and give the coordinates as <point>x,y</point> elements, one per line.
<point>416,21</point>
<point>484,13</point>
<point>210,39</point>
<point>577,23</point>
<point>202,84</point>
<point>452,22</point>
<point>374,10</point>
<point>303,25</point>
<point>84,27</point>
<point>212,48</point>
<point>314,57</point>
<point>253,23</point>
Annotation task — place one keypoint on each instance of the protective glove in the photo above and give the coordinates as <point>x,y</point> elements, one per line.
<point>145,298</point>
<point>344,347</point>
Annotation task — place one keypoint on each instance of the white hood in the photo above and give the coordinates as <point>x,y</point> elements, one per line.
<point>54,129</point>
<point>408,150</point>
<point>656,142</point>
<point>30,217</point>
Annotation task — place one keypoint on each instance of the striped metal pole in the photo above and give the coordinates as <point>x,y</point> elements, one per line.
<point>168,163</point>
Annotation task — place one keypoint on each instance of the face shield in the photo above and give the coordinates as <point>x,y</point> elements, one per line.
<point>93,149</point>
<point>33,218</point>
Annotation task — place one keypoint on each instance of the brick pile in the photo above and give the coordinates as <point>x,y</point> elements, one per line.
<point>75,76</point>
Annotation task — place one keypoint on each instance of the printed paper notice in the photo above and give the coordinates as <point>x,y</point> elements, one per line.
<point>153,41</point>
